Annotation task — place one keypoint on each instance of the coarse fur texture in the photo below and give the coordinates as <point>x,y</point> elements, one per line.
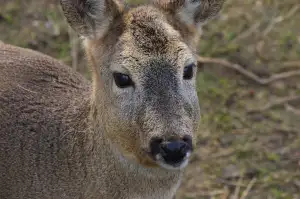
<point>64,137</point>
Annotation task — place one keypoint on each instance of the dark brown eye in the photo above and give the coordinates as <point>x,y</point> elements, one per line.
<point>122,80</point>
<point>188,71</point>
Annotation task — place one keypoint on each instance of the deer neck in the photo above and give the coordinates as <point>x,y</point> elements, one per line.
<point>119,174</point>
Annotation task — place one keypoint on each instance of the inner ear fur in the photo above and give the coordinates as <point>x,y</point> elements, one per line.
<point>91,18</point>
<point>191,12</point>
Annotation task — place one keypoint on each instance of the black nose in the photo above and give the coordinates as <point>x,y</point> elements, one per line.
<point>173,152</point>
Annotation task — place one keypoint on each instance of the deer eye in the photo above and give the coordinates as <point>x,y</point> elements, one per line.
<point>188,71</point>
<point>122,80</point>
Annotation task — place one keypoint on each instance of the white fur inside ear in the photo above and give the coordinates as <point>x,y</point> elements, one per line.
<point>187,12</point>
<point>102,28</point>
<point>101,18</point>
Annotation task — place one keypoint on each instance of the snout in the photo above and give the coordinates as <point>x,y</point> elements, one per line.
<point>171,153</point>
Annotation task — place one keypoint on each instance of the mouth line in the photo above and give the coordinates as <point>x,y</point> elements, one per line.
<point>176,166</point>
<point>159,160</point>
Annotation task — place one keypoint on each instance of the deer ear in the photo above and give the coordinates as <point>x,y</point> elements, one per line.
<point>91,18</point>
<point>191,12</point>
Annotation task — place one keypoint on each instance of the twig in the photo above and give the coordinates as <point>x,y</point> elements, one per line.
<point>291,64</point>
<point>291,109</point>
<point>237,188</point>
<point>287,65</point>
<point>228,183</point>
<point>223,153</point>
<point>213,193</point>
<point>280,102</point>
<point>269,27</point>
<point>249,187</point>
<point>258,50</point>
<point>291,12</point>
<point>250,75</point>
<point>226,193</point>
<point>280,19</point>
<point>277,103</point>
<point>283,75</point>
<point>247,33</point>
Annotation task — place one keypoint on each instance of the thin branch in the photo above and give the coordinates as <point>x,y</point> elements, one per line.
<point>258,51</point>
<point>228,183</point>
<point>292,109</point>
<point>283,75</point>
<point>280,19</point>
<point>291,64</point>
<point>223,153</point>
<point>237,188</point>
<point>249,187</point>
<point>226,193</point>
<point>247,33</point>
<point>250,75</point>
<point>213,193</point>
<point>276,103</point>
<point>280,102</point>
<point>286,65</point>
<point>291,12</point>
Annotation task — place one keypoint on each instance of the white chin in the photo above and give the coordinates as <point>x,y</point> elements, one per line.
<point>178,166</point>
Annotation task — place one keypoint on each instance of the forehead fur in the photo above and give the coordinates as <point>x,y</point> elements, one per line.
<point>141,34</point>
<point>150,30</point>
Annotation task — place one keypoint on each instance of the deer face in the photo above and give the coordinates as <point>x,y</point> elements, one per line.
<point>144,69</point>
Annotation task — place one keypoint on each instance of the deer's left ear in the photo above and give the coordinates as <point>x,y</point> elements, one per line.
<point>191,12</point>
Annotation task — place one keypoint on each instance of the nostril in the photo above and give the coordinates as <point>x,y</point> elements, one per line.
<point>155,144</point>
<point>188,139</point>
<point>184,148</point>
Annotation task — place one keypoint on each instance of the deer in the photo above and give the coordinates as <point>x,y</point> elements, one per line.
<point>126,134</point>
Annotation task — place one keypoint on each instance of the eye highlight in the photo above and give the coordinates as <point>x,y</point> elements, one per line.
<point>122,80</point>
<point>188,71</point>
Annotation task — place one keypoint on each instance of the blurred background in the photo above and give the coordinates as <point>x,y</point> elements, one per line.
<point>248,86</point>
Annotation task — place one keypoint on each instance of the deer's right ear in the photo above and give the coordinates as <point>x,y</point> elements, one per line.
<point>91,18</point>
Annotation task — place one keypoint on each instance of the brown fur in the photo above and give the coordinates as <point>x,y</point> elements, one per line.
<point>64,137</point>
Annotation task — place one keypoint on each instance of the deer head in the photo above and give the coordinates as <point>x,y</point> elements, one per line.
<point>144,68</point>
